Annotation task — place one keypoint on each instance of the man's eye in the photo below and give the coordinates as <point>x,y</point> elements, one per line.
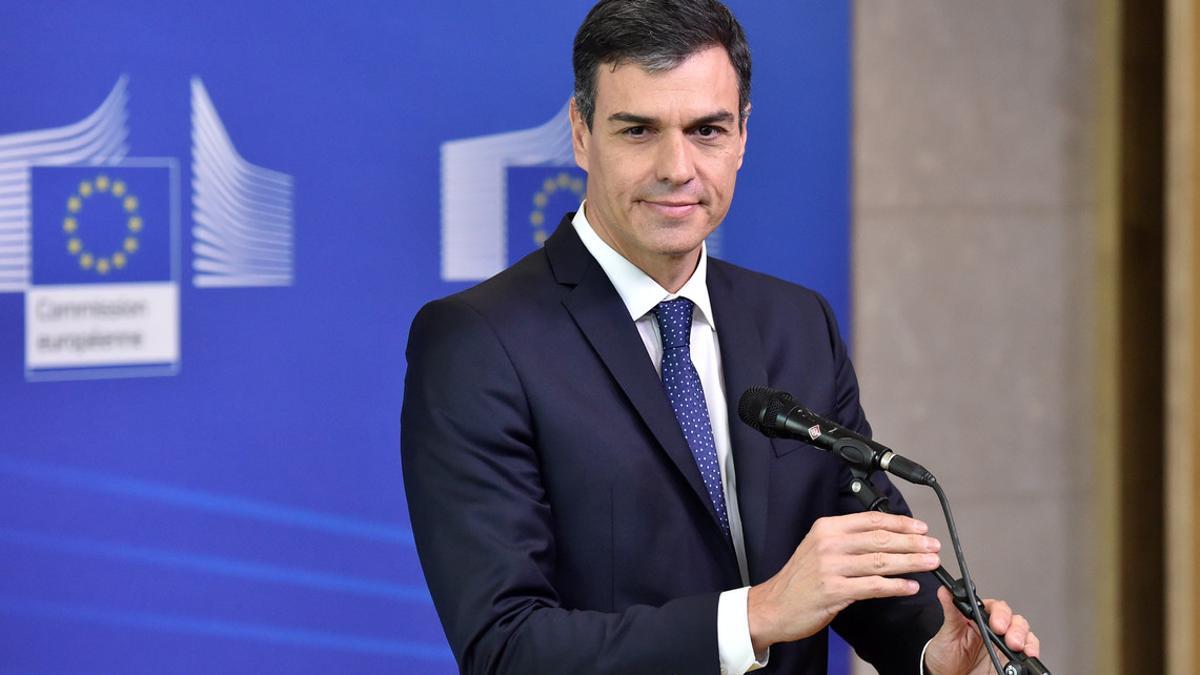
<point>707,131</point>
<point>636,132</point>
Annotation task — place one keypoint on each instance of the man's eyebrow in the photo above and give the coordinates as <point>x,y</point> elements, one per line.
<point>714,118</point>
<point>632,119</point>
<point>721,116</point>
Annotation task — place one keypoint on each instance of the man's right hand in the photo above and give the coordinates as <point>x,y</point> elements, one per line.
<point>841,560</point>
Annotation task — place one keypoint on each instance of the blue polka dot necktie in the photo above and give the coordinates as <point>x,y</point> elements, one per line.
<point>686,394</point>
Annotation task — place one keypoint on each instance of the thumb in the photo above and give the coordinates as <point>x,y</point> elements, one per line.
<point>958,647</point>
<point>954,620</point>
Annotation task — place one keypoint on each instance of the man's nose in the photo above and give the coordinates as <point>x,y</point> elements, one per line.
<point>675,159</point>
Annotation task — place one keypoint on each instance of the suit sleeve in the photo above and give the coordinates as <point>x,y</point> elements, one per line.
<point>889,633</point>
<point>485,532</point>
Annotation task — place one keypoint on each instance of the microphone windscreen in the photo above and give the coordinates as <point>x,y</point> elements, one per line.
<point>753,404</point>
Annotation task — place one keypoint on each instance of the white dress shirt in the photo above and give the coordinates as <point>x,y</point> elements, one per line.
<point>641,295</point>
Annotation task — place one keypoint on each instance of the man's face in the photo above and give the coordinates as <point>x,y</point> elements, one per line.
<point>662,157</point>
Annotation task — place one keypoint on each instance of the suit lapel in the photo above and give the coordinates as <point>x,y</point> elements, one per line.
<point>604,320</point>
<point>742,362</point>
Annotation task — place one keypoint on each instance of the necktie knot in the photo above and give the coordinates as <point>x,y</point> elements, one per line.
<point>675,322</point>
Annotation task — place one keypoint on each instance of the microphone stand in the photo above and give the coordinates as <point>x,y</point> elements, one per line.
<point>1018,664</point>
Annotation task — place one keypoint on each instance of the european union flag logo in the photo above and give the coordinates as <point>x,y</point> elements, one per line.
<point>538,196</point>
<point>101,224</point>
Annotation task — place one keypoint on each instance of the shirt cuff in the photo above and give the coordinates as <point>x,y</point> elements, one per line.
<point>920,671</point>
<point>733,634</point>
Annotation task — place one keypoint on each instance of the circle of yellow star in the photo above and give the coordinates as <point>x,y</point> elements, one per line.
<point>563,181</point>
<point>76,245</point>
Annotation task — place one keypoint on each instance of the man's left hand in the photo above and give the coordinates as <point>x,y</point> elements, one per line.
<point>957,648</point>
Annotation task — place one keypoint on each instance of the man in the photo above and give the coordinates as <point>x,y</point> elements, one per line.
<point>582,498</point>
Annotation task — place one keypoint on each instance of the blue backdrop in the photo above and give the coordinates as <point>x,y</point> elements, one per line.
<point>311,173</point>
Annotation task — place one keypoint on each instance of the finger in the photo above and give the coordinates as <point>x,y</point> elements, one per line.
<point>887,564</point>
<point>891,542</point>
<point>1018,633</point>
<point>1033,646</point>
<point>864,588</point>
<point>1001,615</point>
<point>874,520</point>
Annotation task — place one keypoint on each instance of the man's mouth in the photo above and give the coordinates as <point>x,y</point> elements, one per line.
<point>671,208</point>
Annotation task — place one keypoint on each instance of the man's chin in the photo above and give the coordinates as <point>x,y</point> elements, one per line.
<point>680,243</point>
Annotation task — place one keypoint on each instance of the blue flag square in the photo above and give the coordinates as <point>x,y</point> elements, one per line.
<point>538,196</point>
<point>101,224</point>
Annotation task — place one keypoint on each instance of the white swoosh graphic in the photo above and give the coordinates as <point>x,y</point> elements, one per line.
<point>100,139</point>
<point>474,192</point>
<point>242,212</point>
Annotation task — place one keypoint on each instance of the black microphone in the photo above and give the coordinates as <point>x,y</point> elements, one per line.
<point>776,414</point>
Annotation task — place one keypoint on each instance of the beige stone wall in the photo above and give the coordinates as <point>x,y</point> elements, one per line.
<point>975,203</point>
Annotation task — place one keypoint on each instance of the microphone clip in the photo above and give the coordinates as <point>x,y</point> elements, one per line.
<point>861,487</point>
<point>856,453</point>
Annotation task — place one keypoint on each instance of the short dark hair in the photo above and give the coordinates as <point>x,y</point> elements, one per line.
<point>657,35</point>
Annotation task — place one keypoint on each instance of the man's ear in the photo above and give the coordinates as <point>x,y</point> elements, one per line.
<point>744,135</point>
<point>580,135</point>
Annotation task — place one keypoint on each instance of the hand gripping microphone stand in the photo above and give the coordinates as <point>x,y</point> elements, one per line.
<point>863,458</point>
<point>1018,664</point>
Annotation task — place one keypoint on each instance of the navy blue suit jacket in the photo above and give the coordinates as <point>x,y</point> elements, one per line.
<point>560,519</point>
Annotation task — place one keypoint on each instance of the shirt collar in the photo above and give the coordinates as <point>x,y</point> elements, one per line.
<point>638,291</point>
